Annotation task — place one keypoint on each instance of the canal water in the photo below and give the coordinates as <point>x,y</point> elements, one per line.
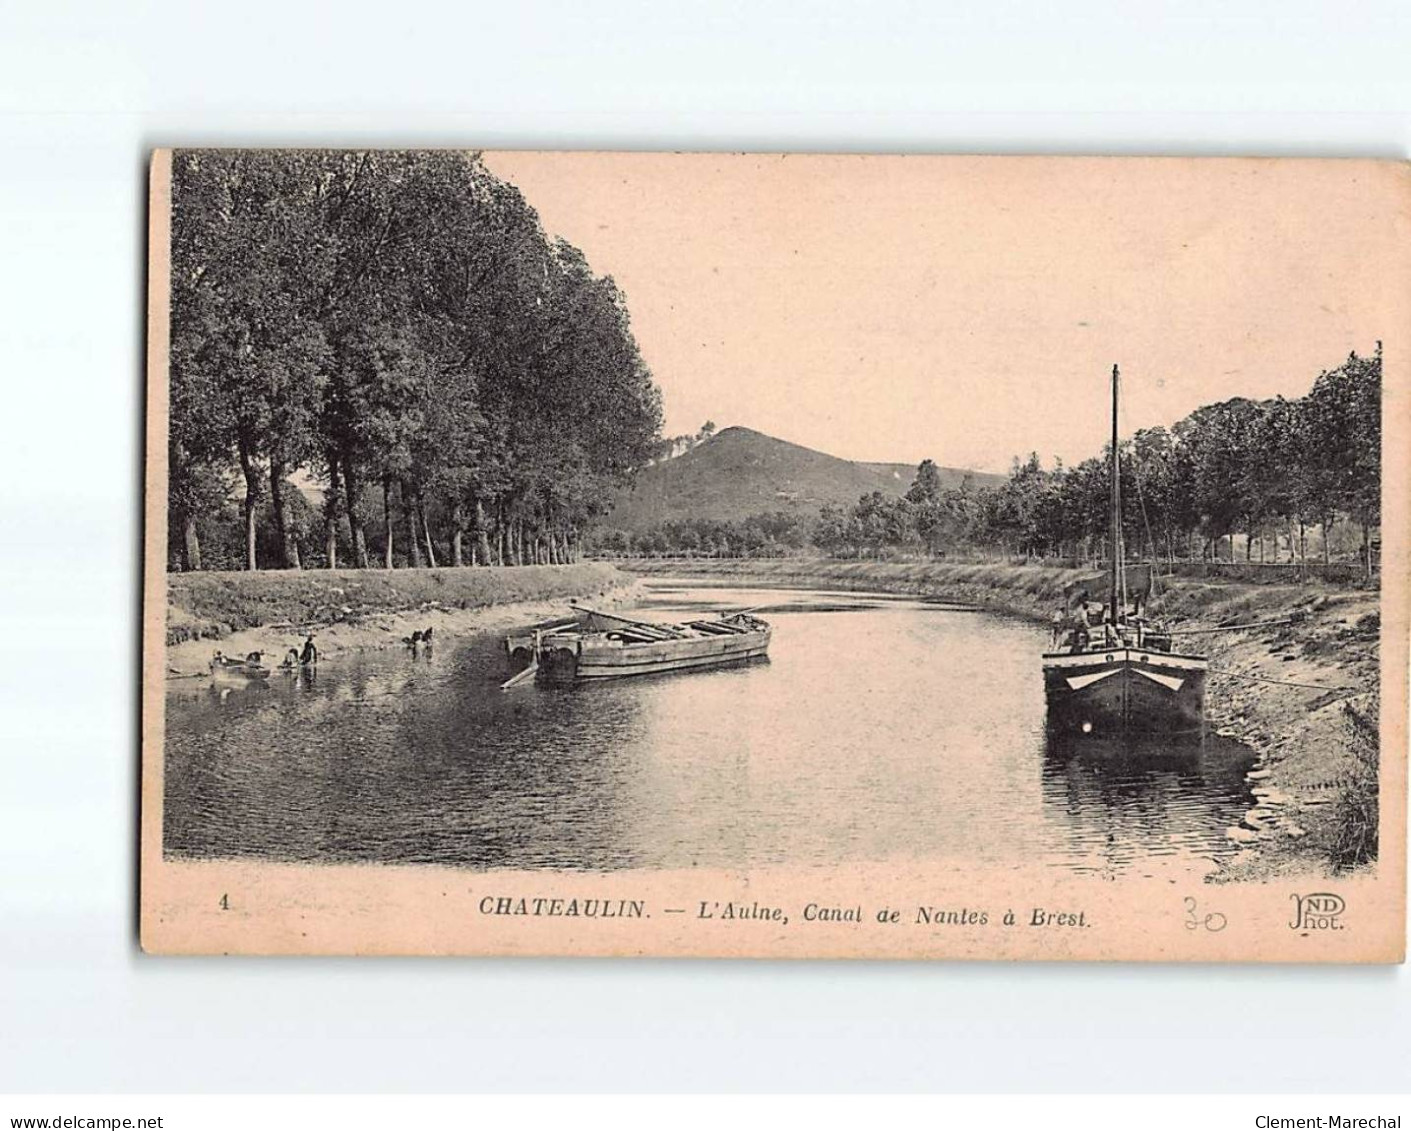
<point>879,729</point>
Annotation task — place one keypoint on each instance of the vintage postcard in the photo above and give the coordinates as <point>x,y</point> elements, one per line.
<point>774,555</point>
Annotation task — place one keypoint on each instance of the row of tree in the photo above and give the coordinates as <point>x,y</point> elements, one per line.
<point>1265,471</point>
<point>777,534</point>
<point>397,332</point>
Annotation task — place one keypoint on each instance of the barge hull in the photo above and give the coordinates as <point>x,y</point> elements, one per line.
<point>592,661</point>
<point>1126,690</point>
<point>627,666</point>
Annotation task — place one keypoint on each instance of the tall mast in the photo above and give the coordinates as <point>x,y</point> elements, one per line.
<point>1115,534</point>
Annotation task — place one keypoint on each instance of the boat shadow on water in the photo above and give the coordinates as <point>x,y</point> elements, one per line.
<point>1134,795</point>
<point>1211,758</point>
<point>1131,749</point>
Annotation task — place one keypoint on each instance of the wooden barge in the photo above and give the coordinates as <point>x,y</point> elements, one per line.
<point>1120,674</point>
<point>591,645</point>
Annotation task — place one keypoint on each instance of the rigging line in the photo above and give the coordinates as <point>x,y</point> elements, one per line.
<point>1234,627</point>
<point>1283,682</point>
<point>1141,497</point>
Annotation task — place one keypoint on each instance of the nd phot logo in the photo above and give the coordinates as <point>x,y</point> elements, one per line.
<point>1317,912</point>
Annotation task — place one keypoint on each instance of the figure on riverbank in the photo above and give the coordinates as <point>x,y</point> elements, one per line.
<point>309,656</point>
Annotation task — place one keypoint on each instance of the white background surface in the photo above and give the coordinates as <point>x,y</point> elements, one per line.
<point>87,90</point>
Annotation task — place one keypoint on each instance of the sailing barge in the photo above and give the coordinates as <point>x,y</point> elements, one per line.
<point>592,645</point>
<point>1119,674</point>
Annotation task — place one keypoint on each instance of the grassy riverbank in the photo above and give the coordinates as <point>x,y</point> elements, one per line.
<point>1303,695</point>
<point>348,610</point>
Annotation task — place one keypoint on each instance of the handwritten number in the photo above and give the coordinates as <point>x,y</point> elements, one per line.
<point>225,902</point>
<point>1213,921</point>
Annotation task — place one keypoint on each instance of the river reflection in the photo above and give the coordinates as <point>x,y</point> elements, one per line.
<point>879,729</point>
<point>1143,801</point>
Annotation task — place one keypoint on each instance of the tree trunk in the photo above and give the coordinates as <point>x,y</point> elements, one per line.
<point>426,530</point>
<point>355,523</point>
<point>252,498</point>
<point>330,514</point>
<point>409,510</point>
<point>1327,542</point>
<point>250,563</point>
<point>190,543</point>
<point>457,531</point>
<point>1367,549</point>
<point>387,519</point>
<point>482,536</point>
<point>288,547</point>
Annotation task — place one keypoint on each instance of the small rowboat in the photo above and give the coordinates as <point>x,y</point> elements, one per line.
<point>227,669</point>
<point>591,645</point>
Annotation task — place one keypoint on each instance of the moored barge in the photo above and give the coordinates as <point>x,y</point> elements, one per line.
<point>1118,673</point>
<point>593,645</point>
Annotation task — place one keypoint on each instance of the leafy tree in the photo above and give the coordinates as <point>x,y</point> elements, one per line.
<point>396,322</point>
<point>1220,439</point>
<point>1342,422</point>
<point>244,279</point>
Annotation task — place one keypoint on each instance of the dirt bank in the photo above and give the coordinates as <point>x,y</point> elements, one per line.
<point>348,610</point>
<point>1300,694</point>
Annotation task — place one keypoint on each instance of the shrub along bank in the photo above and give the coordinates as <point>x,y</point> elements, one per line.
<point>214,604</point>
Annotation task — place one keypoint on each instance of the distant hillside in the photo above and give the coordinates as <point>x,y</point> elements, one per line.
<point>741,472</point>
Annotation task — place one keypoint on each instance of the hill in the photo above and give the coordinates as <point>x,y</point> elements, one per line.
<point>741,472</point>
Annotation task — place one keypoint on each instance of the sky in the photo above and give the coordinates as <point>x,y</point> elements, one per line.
<point>969,310</point>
